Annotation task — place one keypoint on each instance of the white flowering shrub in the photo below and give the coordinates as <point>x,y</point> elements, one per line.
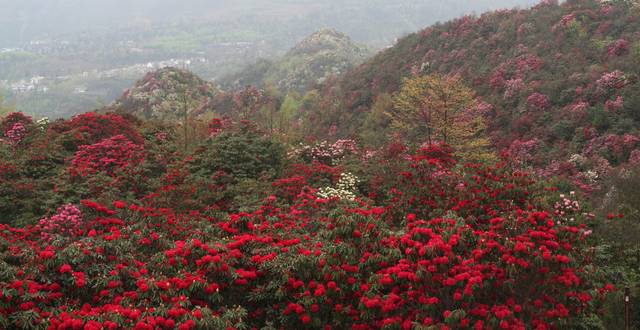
<point>42,123</point>
<point>345,189</point>
<point>578,160</point>
<point>591,176</point>
<point>325,152</point>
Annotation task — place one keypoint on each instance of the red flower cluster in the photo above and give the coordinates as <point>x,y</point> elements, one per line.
<point>90,128</point>
<point>107,156</point>
<point>538,101</point>
<point>14,127</point>
<point>439,245</point>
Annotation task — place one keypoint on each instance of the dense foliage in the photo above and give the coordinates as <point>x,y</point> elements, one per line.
<point>141,234</point>
<point>559,80</point>
<point>453,190</point>
<point>167,94</point>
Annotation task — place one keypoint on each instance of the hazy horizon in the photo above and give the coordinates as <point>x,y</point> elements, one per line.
<point>61,57</point>
<point>26,20</point>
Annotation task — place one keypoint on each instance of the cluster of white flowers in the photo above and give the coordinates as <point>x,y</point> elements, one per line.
<point>345,188</point>
<point>566,208</point>
<point>325,152</point>
<point>296,151</point>
<point>43,123</point>
<point>591,175</point>
<point>578,160</point>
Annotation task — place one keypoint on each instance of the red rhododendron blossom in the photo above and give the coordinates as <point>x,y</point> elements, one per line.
<point>91,127</point>
<point>65,269</point>
<point>276,217</point>
<point>16,133</point>
<point>107,156</point>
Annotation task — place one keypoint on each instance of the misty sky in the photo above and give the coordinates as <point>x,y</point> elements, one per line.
<point>24,20</point>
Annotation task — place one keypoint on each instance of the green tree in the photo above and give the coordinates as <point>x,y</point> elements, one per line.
<point>430,105</point>
<point>374,128</point>
<point>189,108</point>
<point>243,152</point>
<point>444,109</point>
<point>469,138</point>
<point>288,114</point>
<point>314,120</point>
<point>269,113</point>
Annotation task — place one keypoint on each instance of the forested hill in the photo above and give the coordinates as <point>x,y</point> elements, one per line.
<point>165,94</point>
<point>320,55</point>
<point>182,206</point>
<point>560,79</point>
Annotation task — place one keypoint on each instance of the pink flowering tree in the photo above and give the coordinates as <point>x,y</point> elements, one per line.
<point>614,105</point>
<point>66,222</point>
<point>611,81</point>
<point>538,101</point>
<point>522,152</point>
<point>618,48</point>
<point>14,127</point>
<point>111,166</point>
<point>16,133</point>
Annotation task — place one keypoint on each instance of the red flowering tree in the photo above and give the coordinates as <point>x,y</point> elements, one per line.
<point>15,127</point>
<point>538,101</point>
<point>247,101</point>
<point>108,156</point>
<point>90,128</point>
<point>111,166</point>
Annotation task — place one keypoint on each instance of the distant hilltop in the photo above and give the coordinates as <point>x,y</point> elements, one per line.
<point>165,93</point>
<point>319,56</point>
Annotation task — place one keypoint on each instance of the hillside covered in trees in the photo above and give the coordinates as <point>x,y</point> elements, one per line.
<point>166,94</point>
<point>110,222</point>
<point>479,174</point>
<point>321,55</point>
<point>558,83</point>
